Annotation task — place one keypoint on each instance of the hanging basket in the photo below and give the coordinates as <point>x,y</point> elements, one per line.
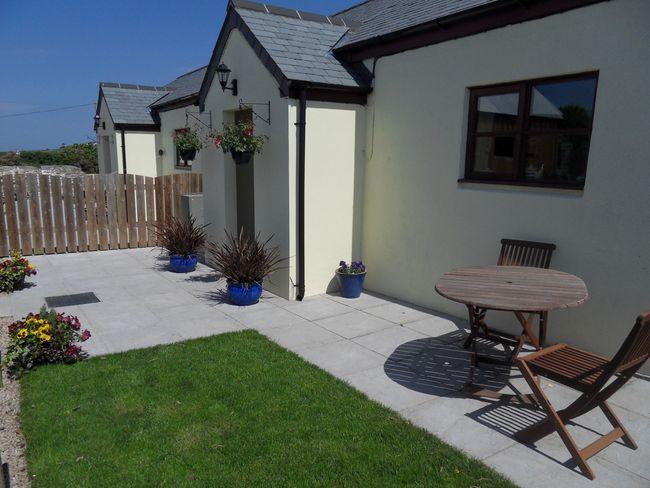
<point>187,154</point>
<point>242,157</point>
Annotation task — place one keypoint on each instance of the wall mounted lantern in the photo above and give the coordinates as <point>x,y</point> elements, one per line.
<point>223,72</point>
<point>97,121</point>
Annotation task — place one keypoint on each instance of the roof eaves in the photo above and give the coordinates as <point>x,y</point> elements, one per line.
<point>484,17</point>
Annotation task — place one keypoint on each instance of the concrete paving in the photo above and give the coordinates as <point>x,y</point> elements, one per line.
<point>402,356</point>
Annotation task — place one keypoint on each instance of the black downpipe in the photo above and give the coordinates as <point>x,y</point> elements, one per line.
<point>123,152</point>
<point>302,130</point>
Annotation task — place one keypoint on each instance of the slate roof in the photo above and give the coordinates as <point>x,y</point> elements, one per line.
<point>129,104</point>
<point>133,104</point>
<point>381,17</point>
<point>301,48</point>
<point>182,87</point>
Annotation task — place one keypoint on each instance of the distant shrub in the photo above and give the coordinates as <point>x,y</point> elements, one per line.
<point>83,155</point>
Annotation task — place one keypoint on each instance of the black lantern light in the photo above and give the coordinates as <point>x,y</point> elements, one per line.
<point>223,72</point>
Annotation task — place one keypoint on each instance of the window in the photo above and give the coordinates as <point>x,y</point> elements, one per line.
<point>533,132</point>
<point>180,162</point>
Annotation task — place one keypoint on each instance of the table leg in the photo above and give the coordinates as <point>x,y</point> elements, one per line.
<point>527,332</point>
<point>476,321</point>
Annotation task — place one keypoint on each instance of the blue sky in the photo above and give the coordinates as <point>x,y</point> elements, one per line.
<point>54,53</point>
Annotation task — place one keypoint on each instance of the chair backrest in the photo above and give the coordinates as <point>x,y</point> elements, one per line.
<point>636,349</point>
<point>525,253</point>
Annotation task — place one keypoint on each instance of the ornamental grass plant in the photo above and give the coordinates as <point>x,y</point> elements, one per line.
<point>244,259</point>
<point>181,237</point>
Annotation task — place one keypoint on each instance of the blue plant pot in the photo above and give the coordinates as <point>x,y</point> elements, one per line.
<point>351,284</point>
<point>182,264</point>
<point>244,295</point>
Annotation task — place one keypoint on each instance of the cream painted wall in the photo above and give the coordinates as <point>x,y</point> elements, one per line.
<point>419,222</point>
<point>140,152</point>
<point>141,147</point>
<point>274,169</point>
<point>109,132</point>
<point>171,120</point>
<point>333,181</point>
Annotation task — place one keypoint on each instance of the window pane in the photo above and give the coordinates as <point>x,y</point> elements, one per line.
<point>497,113</point>
<point>557,158</point>
<point>563,104</point>
<point>494,155</point>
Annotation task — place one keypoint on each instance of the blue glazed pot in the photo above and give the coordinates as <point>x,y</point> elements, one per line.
<point>244,295</point>
<point>351,284</point>
<point>182,264</point>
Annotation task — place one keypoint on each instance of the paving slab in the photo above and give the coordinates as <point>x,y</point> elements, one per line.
<point>342,357</point>
<point>388,340</point>
<point>317,308</point>
<point>397,313</point>
<point>354,324</point>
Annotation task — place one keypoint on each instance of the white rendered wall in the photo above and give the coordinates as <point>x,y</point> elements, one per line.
<point>333,182</point>
<point>419,222</point>
<point>109,131</point>
<point>140,152</point>
<point>274,168</point>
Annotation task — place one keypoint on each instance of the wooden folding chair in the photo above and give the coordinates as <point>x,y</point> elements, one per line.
<point>588,374</point>
<point>528,253</point>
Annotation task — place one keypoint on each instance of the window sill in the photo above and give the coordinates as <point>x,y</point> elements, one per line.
<point>505,184</point>
<point>184,168</point>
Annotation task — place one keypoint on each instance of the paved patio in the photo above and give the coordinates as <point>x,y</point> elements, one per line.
<point>402,356</point>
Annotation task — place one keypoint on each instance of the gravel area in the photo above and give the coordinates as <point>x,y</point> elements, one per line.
<point>11,438</point>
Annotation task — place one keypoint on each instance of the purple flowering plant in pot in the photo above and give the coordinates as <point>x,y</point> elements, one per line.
<point>351,278</point>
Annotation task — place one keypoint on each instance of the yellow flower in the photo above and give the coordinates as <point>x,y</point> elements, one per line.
<point>44,328</point>
<point>22,333</point>
<point>45,337</point>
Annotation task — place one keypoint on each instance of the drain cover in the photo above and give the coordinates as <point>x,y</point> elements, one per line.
<point>70,300</point>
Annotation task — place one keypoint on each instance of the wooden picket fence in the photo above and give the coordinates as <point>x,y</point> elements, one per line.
<point>58,214</point>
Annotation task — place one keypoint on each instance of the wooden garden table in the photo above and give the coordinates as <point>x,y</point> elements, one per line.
<point>525,291</point>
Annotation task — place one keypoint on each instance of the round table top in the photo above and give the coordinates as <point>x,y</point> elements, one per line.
<point>513,288</point>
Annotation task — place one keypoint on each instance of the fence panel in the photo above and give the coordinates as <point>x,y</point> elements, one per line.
<point>150,214</point>
<point>141,214</point>
<point>35,213</point>
<point>47,214</point>
<point>59,220</point>
<point>80,210</point>
<point>70,221</point>
<point>23,214</point>
<point>111,208</point>
<point>91,211</point>
<point>45,188</point>
<point>102,220</point>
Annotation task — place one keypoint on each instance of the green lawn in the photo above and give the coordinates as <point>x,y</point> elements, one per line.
<point>231,410</point>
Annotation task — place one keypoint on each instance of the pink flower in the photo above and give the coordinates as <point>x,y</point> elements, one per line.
<point>218,140</point>
<point>85,336</point>
<point>249,131</point>
<point>72,351</point>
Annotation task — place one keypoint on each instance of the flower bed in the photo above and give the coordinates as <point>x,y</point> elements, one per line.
<point>13,272</point>
<point>46,337</point>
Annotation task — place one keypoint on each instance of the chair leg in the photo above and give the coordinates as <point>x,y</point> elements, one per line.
<point>616,423</point>
<point>543,319</point>
<point>557,422</point>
